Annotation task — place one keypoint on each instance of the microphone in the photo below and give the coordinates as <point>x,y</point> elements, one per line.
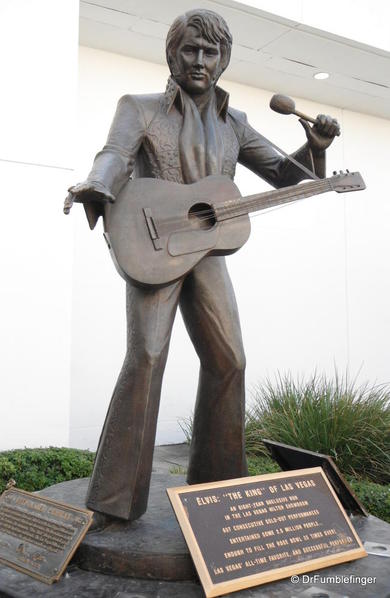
<point>285,105</point>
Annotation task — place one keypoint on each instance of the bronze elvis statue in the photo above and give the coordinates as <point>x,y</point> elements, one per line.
<point>182,135</point>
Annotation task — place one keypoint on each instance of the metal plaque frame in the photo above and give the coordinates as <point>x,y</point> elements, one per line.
<point>38,535</point>
<point>291,457</point>
<point>236,542</point>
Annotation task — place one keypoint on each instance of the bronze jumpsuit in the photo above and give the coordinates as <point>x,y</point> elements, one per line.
<point>158,136</point>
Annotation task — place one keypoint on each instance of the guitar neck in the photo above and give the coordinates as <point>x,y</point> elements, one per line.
<point>261,201</point>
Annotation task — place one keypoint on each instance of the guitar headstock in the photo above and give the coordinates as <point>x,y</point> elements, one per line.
<point>347,181</point>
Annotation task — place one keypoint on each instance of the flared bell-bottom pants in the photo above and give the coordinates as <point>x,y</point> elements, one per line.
<point>121,477</point>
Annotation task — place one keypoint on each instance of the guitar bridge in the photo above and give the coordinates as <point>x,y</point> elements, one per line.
<point>152,229</point>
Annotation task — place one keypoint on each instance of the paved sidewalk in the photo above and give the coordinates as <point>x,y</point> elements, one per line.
<point>171,458</point>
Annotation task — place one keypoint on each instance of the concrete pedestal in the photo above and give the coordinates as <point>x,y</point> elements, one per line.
<point>148,558</point>
<point>152,547</point>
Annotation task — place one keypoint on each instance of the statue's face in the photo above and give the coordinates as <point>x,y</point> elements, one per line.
<point>198,62</point>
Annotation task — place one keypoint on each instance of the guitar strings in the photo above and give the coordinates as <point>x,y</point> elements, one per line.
<point>251,216</point>
<point>256,203</point>
<point>210,216</point>
<point>306,191</point>
<point>239,204</point>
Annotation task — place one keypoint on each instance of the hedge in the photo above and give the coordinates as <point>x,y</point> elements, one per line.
<point>34,469</point>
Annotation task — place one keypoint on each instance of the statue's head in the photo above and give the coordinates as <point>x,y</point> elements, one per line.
<point>198,49</point>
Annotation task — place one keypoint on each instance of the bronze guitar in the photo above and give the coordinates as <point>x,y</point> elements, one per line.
<point>157,231</point>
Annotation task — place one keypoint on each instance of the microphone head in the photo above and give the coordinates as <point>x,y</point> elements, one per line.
<point>282,104</point>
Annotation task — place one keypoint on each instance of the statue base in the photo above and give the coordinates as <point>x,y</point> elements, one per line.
<point>152,547</point>
<point>148,557</point>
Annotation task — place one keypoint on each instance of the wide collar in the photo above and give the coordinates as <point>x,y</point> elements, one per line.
<point>174,96</point>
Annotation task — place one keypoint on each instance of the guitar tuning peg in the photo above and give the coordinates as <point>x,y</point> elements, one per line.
<point>334,172</point>
<point>347,171</point>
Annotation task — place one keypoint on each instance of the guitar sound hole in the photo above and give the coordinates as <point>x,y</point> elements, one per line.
<point>201,216</point>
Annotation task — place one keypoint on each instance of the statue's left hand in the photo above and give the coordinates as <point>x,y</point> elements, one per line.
<point>322,133</point>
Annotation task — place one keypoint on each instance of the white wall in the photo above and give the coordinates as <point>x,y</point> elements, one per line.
<point>312,283</point>
<point>359,20</point>
<point>38,45</point>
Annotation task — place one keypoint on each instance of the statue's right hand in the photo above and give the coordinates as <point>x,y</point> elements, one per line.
<point>68,203</point>
<point>87,191</point>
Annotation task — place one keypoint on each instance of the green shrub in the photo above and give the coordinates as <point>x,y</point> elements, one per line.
<point>348,422</point>
<point>34,469</point>
<point>261,465</point>
<point>374,497</point>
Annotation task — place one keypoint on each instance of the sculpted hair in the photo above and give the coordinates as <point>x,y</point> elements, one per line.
<point>210,25</point>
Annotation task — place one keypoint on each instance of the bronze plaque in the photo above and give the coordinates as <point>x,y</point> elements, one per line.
<point>39,536</point>
<point>250,531</point>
